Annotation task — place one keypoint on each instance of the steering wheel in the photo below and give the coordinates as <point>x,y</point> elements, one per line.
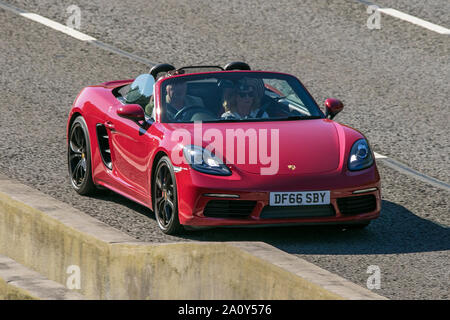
<point>197,108</point>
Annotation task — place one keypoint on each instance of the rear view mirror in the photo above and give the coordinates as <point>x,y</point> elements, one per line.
<point>333,107</point>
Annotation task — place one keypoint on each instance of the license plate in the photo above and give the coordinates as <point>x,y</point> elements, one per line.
<point>304,198</point>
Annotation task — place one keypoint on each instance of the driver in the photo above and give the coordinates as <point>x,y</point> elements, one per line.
<point>176,99</point>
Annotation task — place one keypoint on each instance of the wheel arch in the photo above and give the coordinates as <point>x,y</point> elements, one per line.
<point>72,118</point>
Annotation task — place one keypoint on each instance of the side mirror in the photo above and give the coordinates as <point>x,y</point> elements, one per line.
<point>333,107</point>
<point>132,112</point>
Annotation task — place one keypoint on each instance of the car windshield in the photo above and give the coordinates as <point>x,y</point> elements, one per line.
<point>236,96</point>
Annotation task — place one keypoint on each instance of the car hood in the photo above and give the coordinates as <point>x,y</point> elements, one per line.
<point>296,147</point>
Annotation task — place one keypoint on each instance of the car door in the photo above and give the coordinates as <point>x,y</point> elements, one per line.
<point>131,144</point>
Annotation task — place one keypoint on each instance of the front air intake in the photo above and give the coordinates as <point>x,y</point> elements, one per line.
<point>357,205</point>
<point>290,212</point>
<point>229,208</point>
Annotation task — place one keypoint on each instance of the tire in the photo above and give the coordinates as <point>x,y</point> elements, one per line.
<point>79,158</point>
<point>165,195</point>
<point>356,226</point>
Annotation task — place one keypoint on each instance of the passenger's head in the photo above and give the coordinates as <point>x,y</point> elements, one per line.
<point>248,93</point>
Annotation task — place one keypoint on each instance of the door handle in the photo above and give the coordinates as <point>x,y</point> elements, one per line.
<point>109,125</point>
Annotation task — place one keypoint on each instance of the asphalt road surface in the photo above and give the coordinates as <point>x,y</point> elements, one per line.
<point>393,82</point>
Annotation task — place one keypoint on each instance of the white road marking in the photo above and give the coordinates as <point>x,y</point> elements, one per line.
<point>86,38</point>
<point>47,22</point>
<point>57,26</point>
<point>72,32</point>
<point>379,156</point>
<point>417,21</point>
<point>409,18</point>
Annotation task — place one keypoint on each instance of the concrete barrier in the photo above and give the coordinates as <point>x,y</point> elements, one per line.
<point>48,236</point>
<point>20,283</point>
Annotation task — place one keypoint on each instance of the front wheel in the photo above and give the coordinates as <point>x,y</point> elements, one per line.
<point>165,204</point>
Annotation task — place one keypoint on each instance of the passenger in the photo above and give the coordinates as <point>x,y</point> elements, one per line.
<point>246,101</point>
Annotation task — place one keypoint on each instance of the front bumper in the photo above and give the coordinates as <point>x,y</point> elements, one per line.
<point>196,190</point>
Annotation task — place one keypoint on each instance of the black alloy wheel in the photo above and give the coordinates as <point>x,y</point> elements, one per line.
<point>79,158</point>
<point>165,204</point>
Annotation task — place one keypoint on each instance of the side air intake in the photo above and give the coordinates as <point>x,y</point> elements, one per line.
<point>103,143</point>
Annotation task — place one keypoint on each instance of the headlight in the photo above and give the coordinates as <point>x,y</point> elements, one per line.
<point>360,156</point>
<point>202,160</point>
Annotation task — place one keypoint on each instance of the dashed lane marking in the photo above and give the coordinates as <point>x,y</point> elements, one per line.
<point>379,156</point>
<point>73,33</point>
<point>409,18</point>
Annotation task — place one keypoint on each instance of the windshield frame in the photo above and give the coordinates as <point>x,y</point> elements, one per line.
<point>272,74</point>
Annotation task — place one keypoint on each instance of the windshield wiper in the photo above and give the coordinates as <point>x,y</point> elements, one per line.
<point>239,120</point>
<point>299,118</point>
<point>264,119</point>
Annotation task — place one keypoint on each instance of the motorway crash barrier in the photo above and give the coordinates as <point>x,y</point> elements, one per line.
<point>54,239</point>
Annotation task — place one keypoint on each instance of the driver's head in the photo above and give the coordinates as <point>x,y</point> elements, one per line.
<point>176,92</point>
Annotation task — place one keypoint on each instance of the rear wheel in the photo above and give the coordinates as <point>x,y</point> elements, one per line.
<point>79,158</point>
<point>165,204</point>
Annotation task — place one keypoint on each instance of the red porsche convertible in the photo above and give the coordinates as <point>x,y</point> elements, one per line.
<point>206,146</point>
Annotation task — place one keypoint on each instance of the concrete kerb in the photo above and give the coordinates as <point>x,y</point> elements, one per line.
<point>48,236</point>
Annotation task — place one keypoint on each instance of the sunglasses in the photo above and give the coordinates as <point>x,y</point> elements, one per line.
<point>249,94</point>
